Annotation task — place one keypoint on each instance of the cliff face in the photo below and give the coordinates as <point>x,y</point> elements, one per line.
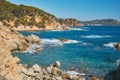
<point>11,69</point>
<point>11,40</point>
<point>70,22</point>
<point>20,16</point>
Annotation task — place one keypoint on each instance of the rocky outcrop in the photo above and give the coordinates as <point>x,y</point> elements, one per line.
<point>33,38</point>
<point>63,39</point>
<point>117,46</point>
<point>23,17</point>
<point>113,74</point>
<point>11,41</point>
<point>15,41</point>
<point>11,69</point>
<point>70,22</point>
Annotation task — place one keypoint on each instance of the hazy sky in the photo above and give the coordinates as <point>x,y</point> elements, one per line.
<point>79,9</point>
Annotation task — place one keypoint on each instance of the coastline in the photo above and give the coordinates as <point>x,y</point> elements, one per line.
<point>11,69</point>
<point>40,29</point>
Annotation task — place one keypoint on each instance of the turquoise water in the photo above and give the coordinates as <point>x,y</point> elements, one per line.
<point>90,49</point>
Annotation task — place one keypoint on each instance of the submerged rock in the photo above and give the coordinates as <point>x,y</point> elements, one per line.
<point>113,74</point>
<point>63,40</point>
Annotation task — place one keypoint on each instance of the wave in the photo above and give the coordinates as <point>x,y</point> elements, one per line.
<point>75,73</point>
<point>34,48</point>
<point>111,45</point>
<point>57,42</point>
<point>96,36</point>
<point>79,29</point>
<point>57,30</point>
<point>118,62</point>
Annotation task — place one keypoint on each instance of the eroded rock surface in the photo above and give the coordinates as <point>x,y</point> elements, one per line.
<point>11,69</point>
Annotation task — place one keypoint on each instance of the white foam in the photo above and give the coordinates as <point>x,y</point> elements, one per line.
<point>79,29</point>
<point>118,62</point>
<point>111,45</point>
<point>32,48</point>
<point>57,30</point>
<point>76,29</point>
<point>57,42</point>
<point>74,74</point>
<point>96,36</point>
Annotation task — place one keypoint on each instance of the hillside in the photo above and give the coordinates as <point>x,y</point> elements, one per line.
<point>101,22</point>
<point>26,17</point>
<point>69,22</point>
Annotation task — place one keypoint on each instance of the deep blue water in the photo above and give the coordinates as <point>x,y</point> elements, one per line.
<point>93,53</point>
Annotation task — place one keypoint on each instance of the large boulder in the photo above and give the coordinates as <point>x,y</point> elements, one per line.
<point>117,74</point>
<point>117,46</point>
<point>57,64</point>
<point>63,39</point>
<point>33,39</point>
<point>113,74</point>
<point>37,68</point>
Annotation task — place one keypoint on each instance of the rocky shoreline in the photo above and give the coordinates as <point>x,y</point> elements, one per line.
<point>11,68</point>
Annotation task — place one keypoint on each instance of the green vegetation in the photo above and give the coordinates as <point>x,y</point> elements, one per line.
<point>24,15</point>
<point>101,22</point>
<point>69,22</point>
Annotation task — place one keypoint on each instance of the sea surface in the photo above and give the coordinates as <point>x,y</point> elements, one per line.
<point>89,49</point>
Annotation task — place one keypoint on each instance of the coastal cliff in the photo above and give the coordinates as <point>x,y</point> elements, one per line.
<point>26,17</point>
<point>11,41</point>
<point>21,17</point>
<point>69,22</point>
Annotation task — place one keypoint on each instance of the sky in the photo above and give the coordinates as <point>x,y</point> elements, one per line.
<point>80,9</point>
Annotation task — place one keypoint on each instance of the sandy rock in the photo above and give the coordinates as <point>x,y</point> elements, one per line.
<point>13,61</point>
<point>63,39</point>
<point>10,76</point>
<point>37,68</point>
<point>58,78</point>
<point>29,72</point>
<point>90,77</point>
<point>56,71</point>
<point>33,38</point>
<point>49,69</point>
<point>45,72</point>
<point>2,78</point>
<point>46,77</point>
<point>57,64</point>
<point>117,46</point>
<point>65,76</point>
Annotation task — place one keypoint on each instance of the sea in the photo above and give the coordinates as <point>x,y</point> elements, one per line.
<point>90,49</point>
